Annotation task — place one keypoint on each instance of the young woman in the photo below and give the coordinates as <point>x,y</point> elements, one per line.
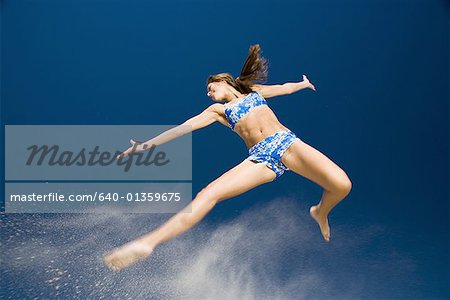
<point>273,149</point>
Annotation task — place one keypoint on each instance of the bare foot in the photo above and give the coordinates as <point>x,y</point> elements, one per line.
<point>127,254</point>
<point>322,221</point>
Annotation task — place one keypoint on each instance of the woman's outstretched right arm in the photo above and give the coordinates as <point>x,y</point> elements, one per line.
<point>268,91</point>
<point>203,119</point>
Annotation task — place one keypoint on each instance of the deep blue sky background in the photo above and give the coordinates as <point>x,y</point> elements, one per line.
<point>380,111</point>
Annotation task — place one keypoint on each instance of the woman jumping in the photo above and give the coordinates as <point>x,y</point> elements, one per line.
<point>273,149</point>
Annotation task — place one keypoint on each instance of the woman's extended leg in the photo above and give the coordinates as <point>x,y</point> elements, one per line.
<point>307,161</point>
<point>235,181</point>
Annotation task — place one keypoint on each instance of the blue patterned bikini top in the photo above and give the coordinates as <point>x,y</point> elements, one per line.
<point>235,111</point>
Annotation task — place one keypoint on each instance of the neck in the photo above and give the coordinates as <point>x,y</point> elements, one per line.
<point>233,95</point>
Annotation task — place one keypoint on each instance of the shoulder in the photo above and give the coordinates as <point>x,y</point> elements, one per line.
<point>268,91</point>
<point>217,110</point>
<point>215,107</point>
<point>260,89</point>
<point>257,87</point>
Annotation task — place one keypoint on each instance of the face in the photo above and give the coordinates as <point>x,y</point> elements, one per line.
<point>216,90</point>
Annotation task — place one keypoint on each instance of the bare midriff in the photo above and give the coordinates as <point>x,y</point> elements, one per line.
<point>258,124</point>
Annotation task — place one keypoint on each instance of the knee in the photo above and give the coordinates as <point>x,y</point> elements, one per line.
<point>344,185</point>
<point>209,194</point>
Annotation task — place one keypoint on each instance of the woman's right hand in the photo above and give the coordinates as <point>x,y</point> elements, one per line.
<point>308,83</point>
<point>129,151</point>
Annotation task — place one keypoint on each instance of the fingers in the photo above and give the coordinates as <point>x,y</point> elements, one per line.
<point>121,155</point>
<point>311,86</point>
<point>125,153</point>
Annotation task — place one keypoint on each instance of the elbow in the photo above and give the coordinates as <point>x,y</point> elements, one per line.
<point>287,89</point>
<point>186,128</point>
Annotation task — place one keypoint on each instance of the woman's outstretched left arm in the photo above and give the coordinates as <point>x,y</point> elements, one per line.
<point>268,91</point>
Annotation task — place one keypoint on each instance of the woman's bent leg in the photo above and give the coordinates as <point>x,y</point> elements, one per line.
<point>305,160</point>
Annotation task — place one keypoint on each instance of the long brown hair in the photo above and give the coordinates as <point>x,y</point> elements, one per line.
<point>255,69</point>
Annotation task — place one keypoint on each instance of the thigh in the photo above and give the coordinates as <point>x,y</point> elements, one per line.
<point>238,180</point>
<point>309,162</point>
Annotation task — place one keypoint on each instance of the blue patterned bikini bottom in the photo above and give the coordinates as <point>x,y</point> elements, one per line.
<point>270,150</point>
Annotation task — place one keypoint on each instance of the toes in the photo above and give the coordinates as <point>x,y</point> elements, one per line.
<point>112,262</point>
<point>327,233</point>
